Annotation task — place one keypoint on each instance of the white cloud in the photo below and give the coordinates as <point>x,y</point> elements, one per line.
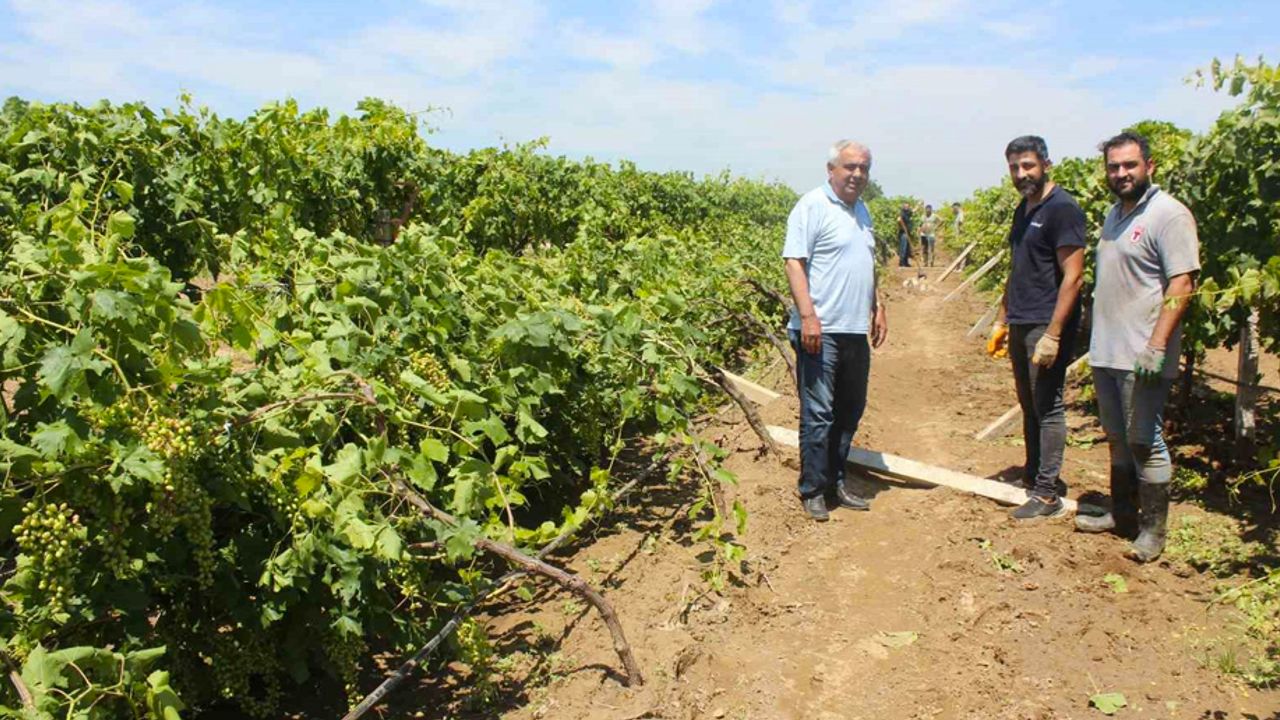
<point>937,130</point>
<point>1023,30</point>
<point>1091,66</point>
<point>1177,25</point>
<point>623,52</point>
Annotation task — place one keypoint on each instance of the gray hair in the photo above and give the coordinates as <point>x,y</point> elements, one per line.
<point>841,145</point>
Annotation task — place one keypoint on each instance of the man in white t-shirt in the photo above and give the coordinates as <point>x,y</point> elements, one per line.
<point>1147,260</point>
<point>830,263</point>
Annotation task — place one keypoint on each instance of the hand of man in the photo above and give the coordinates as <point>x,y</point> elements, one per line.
<point>811,334</point>
<point>996,342</point>
<point>1149,364</point>
<point>1046,351</point>
<point>879,327</point>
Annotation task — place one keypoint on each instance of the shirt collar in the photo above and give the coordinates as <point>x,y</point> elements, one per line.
<point>1140,205</point>
<point>831,195</point>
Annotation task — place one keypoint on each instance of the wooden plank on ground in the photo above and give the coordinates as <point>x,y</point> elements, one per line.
<point>755,393</point>
<point>1012,417</point>
<point>906,469</point>
<point>956,263</point>
<point>977,274</point>
<point>987,318</point>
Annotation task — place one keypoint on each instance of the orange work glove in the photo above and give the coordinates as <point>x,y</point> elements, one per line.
<point>998,342</point>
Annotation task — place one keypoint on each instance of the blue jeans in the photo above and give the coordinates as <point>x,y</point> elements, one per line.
<point>904,250</point>
<point>1132,414</point>
<point>833,393</point>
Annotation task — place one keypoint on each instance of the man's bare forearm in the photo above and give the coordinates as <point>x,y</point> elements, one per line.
<point>799,285</point>
<point>1177,299</point>
<point>1072,264</point>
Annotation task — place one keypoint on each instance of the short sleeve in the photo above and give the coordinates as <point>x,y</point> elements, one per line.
<point>799,242</point>
<point>1071,230</point>
<point>1178,246</point>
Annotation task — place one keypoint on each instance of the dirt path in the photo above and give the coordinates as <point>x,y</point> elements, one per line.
<point>933,605</point>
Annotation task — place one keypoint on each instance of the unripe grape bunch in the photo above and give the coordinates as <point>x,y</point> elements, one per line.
<point>51,537</point>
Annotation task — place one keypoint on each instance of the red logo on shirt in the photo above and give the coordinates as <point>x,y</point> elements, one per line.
<point>1137,234</point>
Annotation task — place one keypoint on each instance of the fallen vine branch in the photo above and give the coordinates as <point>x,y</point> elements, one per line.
<point>768,292</point>
<point>24,693</point>
<point>748,409</point>
<point>406,669</point>
<point>767,333</point>
<point>364,396</point>
<point>568,581</point>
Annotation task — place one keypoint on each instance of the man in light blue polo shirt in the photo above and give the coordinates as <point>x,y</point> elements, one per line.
<point>830,264</point>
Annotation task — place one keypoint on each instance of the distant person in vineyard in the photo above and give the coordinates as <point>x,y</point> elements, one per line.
<point>829,256</point>
<point>957,225</point>
<point>928,235</point>
<point>1039,314</point>
<point>1148,259</point>
<point>904,236</point>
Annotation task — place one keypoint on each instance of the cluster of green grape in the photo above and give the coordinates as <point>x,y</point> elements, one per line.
<point>110,417</point>
<point>410,583</point>
<point>428,367</point>
<point>179,500</point>
<point>345,651</point>
<point>169,437</point>
<point>239,658</point>
<point>51,537</point>
<point>114,545</point>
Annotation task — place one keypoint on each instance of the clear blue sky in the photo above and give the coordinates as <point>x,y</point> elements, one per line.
<point>760,87</point>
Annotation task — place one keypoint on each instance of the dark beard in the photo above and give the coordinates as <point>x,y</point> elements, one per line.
<point>1134,193</point>
<point>1029,187</point>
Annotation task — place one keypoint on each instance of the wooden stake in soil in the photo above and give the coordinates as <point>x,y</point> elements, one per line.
<point>986,267</point>
<point>987,318</point>
<point>1246,391</point>
<point>907,469</point>
<point>1005,424</point>
<point>758,394</point>
<point>956,263</point>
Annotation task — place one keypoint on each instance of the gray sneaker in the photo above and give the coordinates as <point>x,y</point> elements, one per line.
<point>1035,507</point>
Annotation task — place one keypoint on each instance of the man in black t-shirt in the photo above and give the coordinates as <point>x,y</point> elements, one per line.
<point>904,236</point>
<point>1039,315</point>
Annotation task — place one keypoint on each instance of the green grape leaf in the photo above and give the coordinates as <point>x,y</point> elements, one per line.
<point>1108,703</point>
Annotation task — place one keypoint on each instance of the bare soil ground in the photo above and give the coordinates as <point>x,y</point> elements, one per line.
<point>933,605</point>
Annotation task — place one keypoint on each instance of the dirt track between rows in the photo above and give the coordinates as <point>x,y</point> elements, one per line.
<point>933,605</point>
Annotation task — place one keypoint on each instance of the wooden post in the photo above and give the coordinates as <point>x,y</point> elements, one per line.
<point>956,263</point>
<point>986,267</point>
<point>906,469</point>
<point>1246,388</point>
<point>987,318</point>
<point>1010,419</point>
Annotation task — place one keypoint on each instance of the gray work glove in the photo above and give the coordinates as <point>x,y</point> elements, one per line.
<point>1046,351</point>
<point>1149,364</point>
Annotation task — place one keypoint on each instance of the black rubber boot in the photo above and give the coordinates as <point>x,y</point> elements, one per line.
<point>1123,518</point>
<point>1153,523</point>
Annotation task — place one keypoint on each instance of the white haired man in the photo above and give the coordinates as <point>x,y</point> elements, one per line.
<point>829,256</point>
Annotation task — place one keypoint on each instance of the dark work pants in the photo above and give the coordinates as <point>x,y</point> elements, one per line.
<point>1044,415</point>
<point>833,394</point>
